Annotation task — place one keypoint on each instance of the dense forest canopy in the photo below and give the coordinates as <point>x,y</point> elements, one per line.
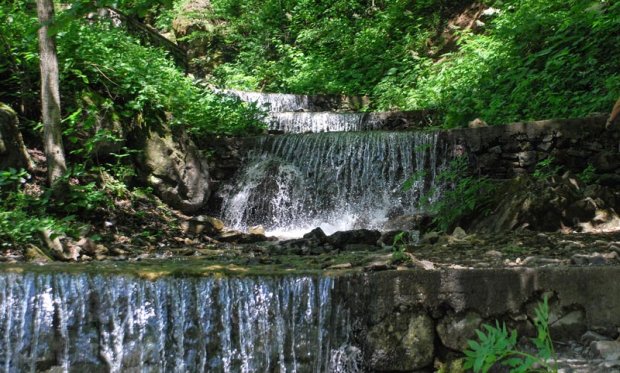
<point>499,60</point>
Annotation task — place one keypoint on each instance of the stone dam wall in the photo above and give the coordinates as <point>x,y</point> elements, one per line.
<point>390,321</point>
<point>509,150</point>
<point>406,319</point>
<point>499,152</point>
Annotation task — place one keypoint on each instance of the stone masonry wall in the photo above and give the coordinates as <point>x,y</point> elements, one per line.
<point>405,319</point>
<point>506,151</point>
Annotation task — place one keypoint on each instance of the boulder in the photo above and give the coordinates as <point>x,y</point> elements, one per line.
<point>316,236</point>
<point>403,341</point>
<point>233,236</point>
<point>202,224</point>
<point>607,350</point>
<point>408,223</point>
<point>354,237</point>
<point>455,330</point>
<point>13,153</point>
<point>172,165</point>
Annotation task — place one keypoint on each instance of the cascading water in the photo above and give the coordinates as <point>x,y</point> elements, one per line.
<point>274,102</point>
<point>336,181</point>
<point>288,122</point>
<point>77,323</point>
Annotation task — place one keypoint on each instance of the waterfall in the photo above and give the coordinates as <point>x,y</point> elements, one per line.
<point>77,323</point>
<point>336,181</point>
<point>274,102</point>
<point>324,121</point>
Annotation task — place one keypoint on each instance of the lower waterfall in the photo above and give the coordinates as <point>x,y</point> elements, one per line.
<point>96,323</point>
<point>336,181</point>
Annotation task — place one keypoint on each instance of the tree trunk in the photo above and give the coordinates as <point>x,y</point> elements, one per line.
<point>50,94</point>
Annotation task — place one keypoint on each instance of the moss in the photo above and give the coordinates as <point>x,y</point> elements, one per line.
<point>209,267</point>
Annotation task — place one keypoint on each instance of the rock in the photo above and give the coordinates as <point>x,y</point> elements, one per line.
<point>359,236</point>
<point>570,326</point>
<point>316,235</point>
<point>233,236</point>
<point>172,165</point>
<point>494,254</point>
<point>36,255</point>
<point>477,123</point>
<point>611,366</point>
<point>607,350</point>
<point>426,265</point>
<point>257,229</point>
<point>378,265</point>
<point>407,223</point>
<point>429,238</point>
<point>591,336</point>
<point>588,259</point>
<point>202,224</point>
<point>580,210</point>
<point>401,342</point>
<point>54,247</point>
<point>13,152</point>
<point>341,266</point>
<point>459,233</point>
<point>527,158</point>
<point>358,247</point>
<point>455,330</point>
<point>606,161</point>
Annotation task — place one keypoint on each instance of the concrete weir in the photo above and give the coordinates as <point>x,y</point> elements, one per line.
<point>390,321</point>
<point>407,318</point>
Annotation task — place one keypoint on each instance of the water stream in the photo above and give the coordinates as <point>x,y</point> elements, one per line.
<point>97,323</point>
<point>337,181</point>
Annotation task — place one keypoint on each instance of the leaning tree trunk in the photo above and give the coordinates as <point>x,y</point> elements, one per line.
<point>50,94</point>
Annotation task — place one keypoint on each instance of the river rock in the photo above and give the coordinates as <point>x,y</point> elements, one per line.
<point>36,255</point>
<point>202,224</point>
<point>359,236</point>
<point>408,222</point>
<point>257,229</point>
<point>401,342</point>
<point>455,330</point>
<point>592,336</point>
<point>172,165</point>
<point>233,236</point>
<point>316,236</point>
<point>608,350</point>
<point>569,327</point>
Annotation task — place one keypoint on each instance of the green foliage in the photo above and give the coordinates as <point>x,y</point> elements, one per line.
<point>22,215</point>
<point>532,59</point>
<point>463,195</point>
<point>18,54</point>
<point>588,175</point>
<point>144,84</point>
<point>496,346</point>
<point>399,245</point>
<point>11,180</point>
<point>546,169</point>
